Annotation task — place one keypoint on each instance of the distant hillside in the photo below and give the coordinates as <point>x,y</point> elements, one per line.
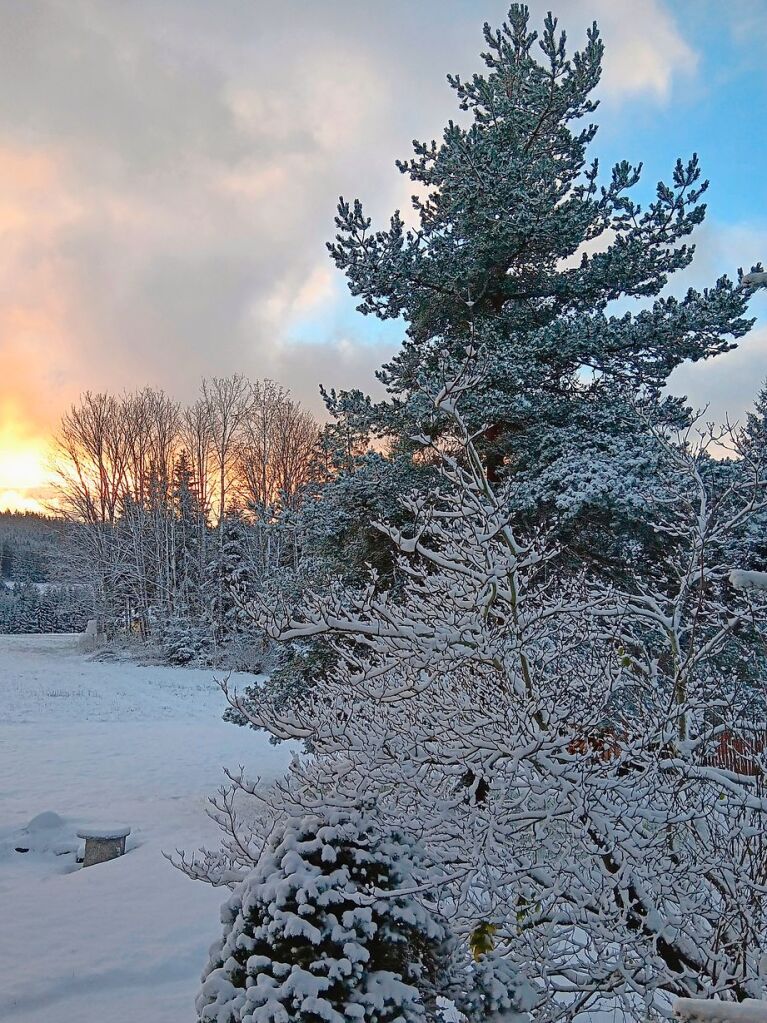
<point>36,583</point>
<point>31,547</point>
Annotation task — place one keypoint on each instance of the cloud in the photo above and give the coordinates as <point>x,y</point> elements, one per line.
<point>170,173</point>
<point>725,389</point>
<point>645,49</point>
<point>727,385</point>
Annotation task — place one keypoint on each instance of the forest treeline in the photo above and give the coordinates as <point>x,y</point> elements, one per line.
<point>177,511</point>
<point>30,544</point>
<point>37,593</point>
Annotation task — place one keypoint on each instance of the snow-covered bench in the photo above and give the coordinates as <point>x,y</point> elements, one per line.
<point>103,843</point>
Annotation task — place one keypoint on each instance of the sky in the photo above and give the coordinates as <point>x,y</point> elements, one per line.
<point>169,171</point>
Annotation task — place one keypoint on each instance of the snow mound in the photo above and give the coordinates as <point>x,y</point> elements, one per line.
<point>47,834</point>
<point>45,821</point>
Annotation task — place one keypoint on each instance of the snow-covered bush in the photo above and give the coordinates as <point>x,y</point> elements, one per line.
<point>554,742</point>
<point>327,928</point>
<point>184,640</point>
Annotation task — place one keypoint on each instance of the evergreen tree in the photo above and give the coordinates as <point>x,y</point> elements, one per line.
<point>521,250</point>
<point>750,551</point>
<point>756,424</point>
<point>6,560</point>
<point>183,639</point>
<point>48,612</point>
<point>186,632</point>
<point>231,576</point>
<point>326,929</point>
<point>188,561</point>
<point>520,247</point>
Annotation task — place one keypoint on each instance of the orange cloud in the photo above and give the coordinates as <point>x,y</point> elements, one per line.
<point>34,208</point>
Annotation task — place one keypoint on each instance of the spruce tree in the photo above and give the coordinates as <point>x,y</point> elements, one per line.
<point>327,929</point>
<point>188,531</point>
<point>186,631</point>
<point>231,576</point>
<point>6,560</point>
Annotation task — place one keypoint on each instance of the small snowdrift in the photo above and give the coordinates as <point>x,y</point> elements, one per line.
<point>46,835</point>
<point>85,742</point>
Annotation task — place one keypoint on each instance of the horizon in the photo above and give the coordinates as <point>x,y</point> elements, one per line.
<point>170,178</point>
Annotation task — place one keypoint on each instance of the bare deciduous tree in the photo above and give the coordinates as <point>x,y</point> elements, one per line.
<point>227,403</point>
<point>277,448</point>
<point>120,461</point>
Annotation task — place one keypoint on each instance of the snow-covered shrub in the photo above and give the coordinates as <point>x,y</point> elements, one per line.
<point>184,640</point>
<point>327,928</point>
<point>495,991</point>
<point>247,652</point>
<point>553,742</point>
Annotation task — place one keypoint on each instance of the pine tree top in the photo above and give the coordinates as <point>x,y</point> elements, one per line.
<point>521,245</point>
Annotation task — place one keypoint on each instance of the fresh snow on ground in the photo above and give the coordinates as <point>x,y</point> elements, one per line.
<point>84,742</point>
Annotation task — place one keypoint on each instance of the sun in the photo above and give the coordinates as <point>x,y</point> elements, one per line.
<point>13,501</point>
<point>20,468</point>
<point>22,471</point>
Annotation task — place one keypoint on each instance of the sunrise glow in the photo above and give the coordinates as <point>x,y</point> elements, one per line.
<point>23,471</point>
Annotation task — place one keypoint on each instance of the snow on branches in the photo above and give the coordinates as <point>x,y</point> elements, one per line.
<point>551,740</point>
<point>743,580</point>
<point>327,927</point>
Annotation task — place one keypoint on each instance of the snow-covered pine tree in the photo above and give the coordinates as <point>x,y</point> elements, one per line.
<point>327,929</point>
<point>25,616</point>
<point>188,568</point>
<point>520,244</point>
<point>519,240</point>
<point>186,629</point>
<point>47,611</point>
<point>230,575</point>
<point>755,430</point>
<point>747,552</point>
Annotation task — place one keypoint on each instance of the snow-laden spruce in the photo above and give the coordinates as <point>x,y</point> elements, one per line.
<point>326,928</point>
<point>583,764</point>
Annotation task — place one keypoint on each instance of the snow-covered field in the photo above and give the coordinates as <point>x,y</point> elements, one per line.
<point>107,743</point>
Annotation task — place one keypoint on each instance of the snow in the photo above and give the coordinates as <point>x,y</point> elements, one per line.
<point>755,279</point>
<point>743,580</point>
<point>714,1011</point>
<point>104,831</point>
<point>85,742</point>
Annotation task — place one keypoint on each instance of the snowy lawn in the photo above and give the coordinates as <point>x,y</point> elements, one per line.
<point>107,743</point>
